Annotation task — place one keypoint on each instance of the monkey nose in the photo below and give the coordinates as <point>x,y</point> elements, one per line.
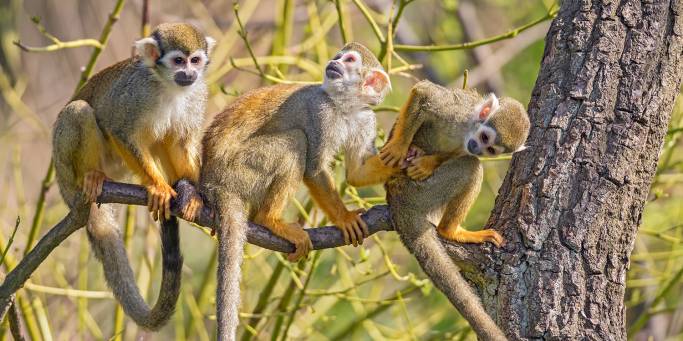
<point>473,147</point>
<point>185,78</point>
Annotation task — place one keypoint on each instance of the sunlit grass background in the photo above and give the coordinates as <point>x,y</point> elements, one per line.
<point>373,292</point>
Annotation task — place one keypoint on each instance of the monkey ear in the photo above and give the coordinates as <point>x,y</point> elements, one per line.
<point>148,50</point>
<point>376,85</point>
<point>521,148</point>
<point>210,44</point>
<point>487,108</point>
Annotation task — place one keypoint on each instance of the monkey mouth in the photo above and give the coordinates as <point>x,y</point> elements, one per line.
<point>332,71</point>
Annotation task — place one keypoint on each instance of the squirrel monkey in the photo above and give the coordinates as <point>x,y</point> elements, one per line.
<point>453,128</point>
<point>259,149</point>
<point>141,116</point>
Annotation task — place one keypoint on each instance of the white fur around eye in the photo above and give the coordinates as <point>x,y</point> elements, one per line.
<point>202,58</point>
<point>169,58</point>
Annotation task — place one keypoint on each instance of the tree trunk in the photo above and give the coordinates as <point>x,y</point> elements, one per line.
<point>571,203</point>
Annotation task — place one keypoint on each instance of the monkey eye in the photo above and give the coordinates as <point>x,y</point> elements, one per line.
<point>350,59</point>
<point>484,138</point>
<point>178,60</point>
<point>336,57</point>
<point>491,151</point>
<point>194,60</point>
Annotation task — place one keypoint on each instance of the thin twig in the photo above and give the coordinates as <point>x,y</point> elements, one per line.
<point>342,25</point>
<point>11,240</point>
<point>59,45</point>
<point>510,34</point>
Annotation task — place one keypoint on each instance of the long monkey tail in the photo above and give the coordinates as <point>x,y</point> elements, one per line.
<point>419,237</point>
<point>106,241</point>
<point>232,234</point>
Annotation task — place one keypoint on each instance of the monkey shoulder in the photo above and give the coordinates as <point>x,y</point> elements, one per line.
<point>103,80</point>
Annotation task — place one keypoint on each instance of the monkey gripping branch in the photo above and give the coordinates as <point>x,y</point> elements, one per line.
<point>326,237</point>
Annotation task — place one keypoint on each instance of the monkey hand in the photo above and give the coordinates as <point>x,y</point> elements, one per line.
<point>422,167</point>
<point>353,227</point>
<point>302,243</point>
<point>393,153</point>
<point>92,185</point>
<point>192,208</point>
<point>159,200</point>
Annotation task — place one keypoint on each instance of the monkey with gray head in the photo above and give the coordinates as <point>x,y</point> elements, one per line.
<point>264,144</point>
<point>442,133</point>
<point>141,117</point>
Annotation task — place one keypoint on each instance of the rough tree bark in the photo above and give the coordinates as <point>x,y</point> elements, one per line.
<point>571,204</point>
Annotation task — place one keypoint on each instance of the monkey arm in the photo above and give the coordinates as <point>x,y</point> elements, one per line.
<point>407,124</point>
<point>326,196</point>
<point>139,159</point>
<point>372,171</point>
<point>184,156</point>
<point>363,165</point>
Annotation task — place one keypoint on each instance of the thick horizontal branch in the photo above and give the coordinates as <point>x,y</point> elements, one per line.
<point>325,237</point>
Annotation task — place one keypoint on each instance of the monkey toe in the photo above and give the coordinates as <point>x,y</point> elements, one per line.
<point>93,181</point>
<point>302,248</point>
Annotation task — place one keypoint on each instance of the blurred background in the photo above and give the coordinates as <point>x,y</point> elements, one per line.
<point>375,291</point>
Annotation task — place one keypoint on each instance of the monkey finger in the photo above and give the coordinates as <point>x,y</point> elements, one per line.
<point>358,228</point>
<point>352,235</point>
<point>346,235</point>
<point>167,209</point>
<point>359,233</point>
<point>364,227</point>
<point>100,184</point>
<point>160,204</point>
<point>189,212</point>
<point>149,202</point>
<point>152,203</point>
<point>165,204</point>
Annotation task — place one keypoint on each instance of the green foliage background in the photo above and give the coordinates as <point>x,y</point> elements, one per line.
<point>375,291</point>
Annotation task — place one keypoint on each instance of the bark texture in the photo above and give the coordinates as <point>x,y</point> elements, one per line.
<point>571,204</point>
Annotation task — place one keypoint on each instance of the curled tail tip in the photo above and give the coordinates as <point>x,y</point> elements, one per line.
<point>109,249</point>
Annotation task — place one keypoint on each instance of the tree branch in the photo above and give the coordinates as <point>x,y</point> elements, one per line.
<point>325,237</point>
<point>322,237</point>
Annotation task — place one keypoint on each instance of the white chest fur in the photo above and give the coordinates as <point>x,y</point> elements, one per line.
<point>179,111</point>
<point>351,131</point>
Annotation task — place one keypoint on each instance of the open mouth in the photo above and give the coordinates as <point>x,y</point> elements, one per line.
<point>332,71</point>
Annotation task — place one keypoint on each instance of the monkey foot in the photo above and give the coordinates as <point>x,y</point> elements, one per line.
<point>92,185</point>
<point>422,167</point>
<point>159,200</point>
<point>461,235</point>
<point>302,242</point>
<point>353,227</point>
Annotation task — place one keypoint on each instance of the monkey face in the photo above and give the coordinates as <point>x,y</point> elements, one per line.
<point>344,69</point>
<point>500,127</point>
<point>348,74</point>
<point>183,69</point>
<point>178,52</point>
<point>483,142</point>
